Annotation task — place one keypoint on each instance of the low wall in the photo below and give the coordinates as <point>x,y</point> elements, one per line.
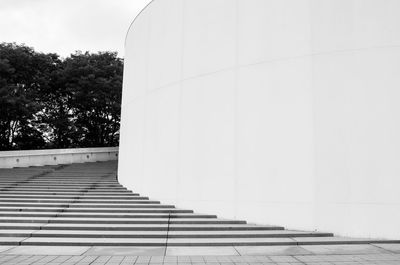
<point>26,158</point>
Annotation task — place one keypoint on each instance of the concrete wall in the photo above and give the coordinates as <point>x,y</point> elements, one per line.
<point>26,158</point>
<point>274,111</point>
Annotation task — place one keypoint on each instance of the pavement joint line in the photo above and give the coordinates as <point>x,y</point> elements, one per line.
<point>89,248</point>
<point>237,251</point>
<point>388,250</point>
<point>20,242</point>
<point>294,257</point>
<point>166,241</point>
<point>95,260</point>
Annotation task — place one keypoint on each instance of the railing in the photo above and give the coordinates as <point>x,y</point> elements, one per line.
<point>26,158</point>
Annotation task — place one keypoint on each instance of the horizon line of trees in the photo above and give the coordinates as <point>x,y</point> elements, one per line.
<point>51,102</point>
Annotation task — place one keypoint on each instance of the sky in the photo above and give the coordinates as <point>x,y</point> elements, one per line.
<point>65,26</point>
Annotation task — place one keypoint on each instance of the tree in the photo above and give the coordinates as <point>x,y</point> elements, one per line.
<point>21,77</point>
<point>48,102</point>
<point>94,82</point>
<point>55,116</point>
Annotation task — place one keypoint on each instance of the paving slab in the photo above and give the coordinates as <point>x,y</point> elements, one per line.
<point>271,250</point>
<point>46,250</point>
<point>125,251</point>
<point>345,249</point>
<point>200,251</point>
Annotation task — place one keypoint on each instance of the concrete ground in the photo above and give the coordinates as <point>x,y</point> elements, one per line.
<point>321,254</point>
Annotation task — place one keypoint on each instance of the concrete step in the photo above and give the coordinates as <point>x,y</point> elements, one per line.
<point>81,205</point>
<point>246,234</point>
<point>137,227</point>
<point>48,241</point>
<point>156,242</point>
<point>138,242</point>
<point>340,241</point>
<point>87,193</point>
<point>160,234</point>
<point>84,205</point>
<point>82,197</point>
<point>95,210</point>
<point>203,242</point>
<point>35,183</point>
<point>104,215</point>
<point>63,189</point>
<point>222,227</point>
<point>79,200</point>
<point>52,177</point>
<point>57,180</point>
<point>65,220</point>
<point>13,241</point>
<point>127,210</point>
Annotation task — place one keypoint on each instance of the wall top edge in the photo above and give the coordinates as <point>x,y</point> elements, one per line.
<point>133,21</point>
<point>57,151</point>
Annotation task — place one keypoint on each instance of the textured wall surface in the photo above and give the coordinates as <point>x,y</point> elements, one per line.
<point>274,111</point>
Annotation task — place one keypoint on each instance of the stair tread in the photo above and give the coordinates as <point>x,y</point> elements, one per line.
<point>102,215</point>
<point>94,240</point>
<point>85,205</point>
<point>102,233</point>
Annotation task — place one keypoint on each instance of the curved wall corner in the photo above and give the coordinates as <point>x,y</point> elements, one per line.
<point>274,111</point>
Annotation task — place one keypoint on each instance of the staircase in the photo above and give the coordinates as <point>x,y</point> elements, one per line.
<point>84,205</point>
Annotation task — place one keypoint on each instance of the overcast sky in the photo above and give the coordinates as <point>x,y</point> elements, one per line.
<point>64,26</point>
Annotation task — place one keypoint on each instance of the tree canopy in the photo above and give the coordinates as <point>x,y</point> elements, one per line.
<point>50,102</point>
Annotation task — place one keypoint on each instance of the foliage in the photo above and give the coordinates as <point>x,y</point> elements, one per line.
<point>49,102</point>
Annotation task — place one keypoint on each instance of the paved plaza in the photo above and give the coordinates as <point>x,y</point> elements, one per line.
<point>324,255</point>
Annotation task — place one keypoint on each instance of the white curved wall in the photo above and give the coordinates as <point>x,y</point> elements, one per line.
<point>274,111</point>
